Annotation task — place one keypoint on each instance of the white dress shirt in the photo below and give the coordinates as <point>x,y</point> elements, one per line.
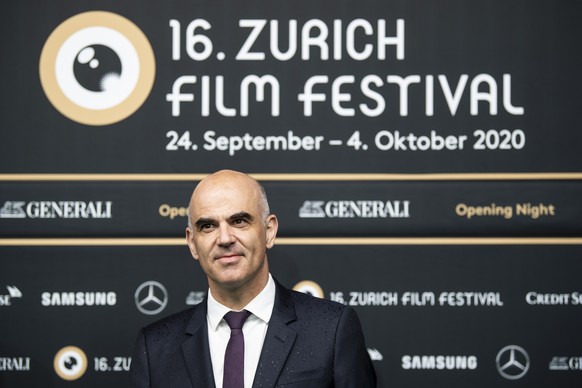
<point>254,331</point>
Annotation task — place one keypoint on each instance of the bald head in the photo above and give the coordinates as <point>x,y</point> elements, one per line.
<point>227,182</point>
<point>229,232</point>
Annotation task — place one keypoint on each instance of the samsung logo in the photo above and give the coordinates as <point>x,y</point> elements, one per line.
<point>56,209</point>
<point>355,209</point>
<point>78,299</point>
<point>439,362</point>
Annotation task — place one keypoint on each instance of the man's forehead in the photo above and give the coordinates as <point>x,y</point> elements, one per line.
<point>223,216</point>
<point>235,190</point>
<point>226,178</point>
<point>229,185</point>
<point>221,207</point>
<point>224,194</point>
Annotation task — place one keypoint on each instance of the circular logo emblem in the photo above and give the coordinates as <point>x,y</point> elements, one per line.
<point>70,363</point>
<point>309,287</point>
<point>151,297</point>
<point>97,68</point>
<point>512,362</point>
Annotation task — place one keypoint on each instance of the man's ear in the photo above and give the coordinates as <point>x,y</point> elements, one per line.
<point>190,241</point>
<point>272,227</point>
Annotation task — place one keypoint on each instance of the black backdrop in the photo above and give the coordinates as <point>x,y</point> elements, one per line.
<point>422,158</point>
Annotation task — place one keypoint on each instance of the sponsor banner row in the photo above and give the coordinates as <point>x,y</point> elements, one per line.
<point>512,363</point>
<point>305,209</point>
<point>151,298</point>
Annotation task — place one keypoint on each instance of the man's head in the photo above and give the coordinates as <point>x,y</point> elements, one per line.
<point>229,231</point>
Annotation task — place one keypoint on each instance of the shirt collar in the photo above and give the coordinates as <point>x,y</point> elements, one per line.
<point>261,306</point>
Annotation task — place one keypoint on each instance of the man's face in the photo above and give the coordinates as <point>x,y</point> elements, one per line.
<point>229,235</point>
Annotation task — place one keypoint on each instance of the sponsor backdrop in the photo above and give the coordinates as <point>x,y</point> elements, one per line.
<point>423,160</point>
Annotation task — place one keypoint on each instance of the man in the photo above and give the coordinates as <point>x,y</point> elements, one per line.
<point>290,339</point>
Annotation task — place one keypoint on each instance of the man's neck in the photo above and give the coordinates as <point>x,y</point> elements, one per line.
<point>236,298</point>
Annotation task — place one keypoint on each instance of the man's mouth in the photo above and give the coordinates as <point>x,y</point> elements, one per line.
<point>229,257</point>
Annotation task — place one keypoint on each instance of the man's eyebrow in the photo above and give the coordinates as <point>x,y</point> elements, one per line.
<point>236,216</point>
<point>241,215</point>
<point>203,221</point>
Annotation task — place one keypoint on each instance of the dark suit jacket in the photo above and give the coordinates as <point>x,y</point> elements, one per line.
<point>310,342</point>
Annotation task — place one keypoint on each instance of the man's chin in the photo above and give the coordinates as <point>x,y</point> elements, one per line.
<point>231,278</point>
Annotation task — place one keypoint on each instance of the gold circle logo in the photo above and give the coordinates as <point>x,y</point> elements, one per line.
<point>97,68</point>
<point>70,363</point>
<point>309,287</point>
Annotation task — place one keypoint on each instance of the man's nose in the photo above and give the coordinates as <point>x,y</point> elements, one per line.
<point>225,235</point>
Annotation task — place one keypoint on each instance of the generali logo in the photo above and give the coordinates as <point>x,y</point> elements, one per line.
<point>355,209</point>
<point>56,209</point>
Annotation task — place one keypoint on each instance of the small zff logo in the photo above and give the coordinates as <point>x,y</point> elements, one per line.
<point>97,68</point>
<point>70,363</point>
<point>309,287</point>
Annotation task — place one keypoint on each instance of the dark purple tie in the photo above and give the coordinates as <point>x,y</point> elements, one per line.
<point>234,358</point>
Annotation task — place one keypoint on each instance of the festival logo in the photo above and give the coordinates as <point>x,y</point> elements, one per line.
<point>97,68</point>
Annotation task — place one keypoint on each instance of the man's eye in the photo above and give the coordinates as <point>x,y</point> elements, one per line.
<point>206,227</point>
<point>239,221</point>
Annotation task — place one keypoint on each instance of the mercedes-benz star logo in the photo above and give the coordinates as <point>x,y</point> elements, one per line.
<point>512,362</point>
<point>151,297</point>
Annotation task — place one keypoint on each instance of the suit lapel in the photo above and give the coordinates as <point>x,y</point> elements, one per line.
<point>196,351</point>
<point>278,341</point>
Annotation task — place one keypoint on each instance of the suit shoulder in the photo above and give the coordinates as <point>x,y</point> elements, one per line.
<point>306,301</point>
<point>174,322</point>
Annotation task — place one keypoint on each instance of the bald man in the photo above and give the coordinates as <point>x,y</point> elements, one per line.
<point>290,339</point>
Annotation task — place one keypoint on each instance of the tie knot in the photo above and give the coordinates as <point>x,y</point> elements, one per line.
<point>236,319</point>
